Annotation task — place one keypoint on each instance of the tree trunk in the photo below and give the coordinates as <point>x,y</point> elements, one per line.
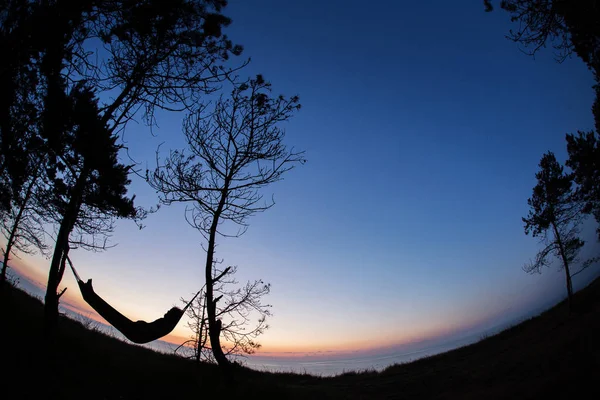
<point>60,252</point>
<point>51,298</point>
<point>214,328</point>
<point>5,262</point>
<point>565,261</point>
<point>211,305</point>
<point>201,333</point>
<point>8,249</point>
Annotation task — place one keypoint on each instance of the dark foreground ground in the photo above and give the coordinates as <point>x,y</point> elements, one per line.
<point>556,355</point>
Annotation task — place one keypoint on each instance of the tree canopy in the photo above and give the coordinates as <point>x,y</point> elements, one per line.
<point>570,26</point>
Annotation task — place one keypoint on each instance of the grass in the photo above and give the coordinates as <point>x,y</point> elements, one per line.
<point>556,354</point>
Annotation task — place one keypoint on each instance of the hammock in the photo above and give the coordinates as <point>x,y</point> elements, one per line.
<point>138,331</point>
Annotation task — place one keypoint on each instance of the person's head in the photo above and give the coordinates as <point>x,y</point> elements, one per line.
<point>173,313</point>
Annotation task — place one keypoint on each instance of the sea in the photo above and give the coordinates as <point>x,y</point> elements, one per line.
<point>356,363</point>
<point>318,365</point>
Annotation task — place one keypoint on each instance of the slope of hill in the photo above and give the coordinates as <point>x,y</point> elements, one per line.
<point>555,354</point>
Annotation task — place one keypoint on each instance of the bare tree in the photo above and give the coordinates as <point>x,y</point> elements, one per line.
<point>555,217</point>
<point>198,324</point>
<point>240,313</point>
<point>236,149</point>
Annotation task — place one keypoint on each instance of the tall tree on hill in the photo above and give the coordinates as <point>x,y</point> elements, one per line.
<point>153,54</point>
<point>83,171</point>
<point>555,217</point>
<point>88,191</point>
<point>235,150</point>
<point>584,160</point>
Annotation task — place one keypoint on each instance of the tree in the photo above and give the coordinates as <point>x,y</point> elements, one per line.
<point>83,171</point>
<point>90,190</point>
<point>571,26</point>
<point>555,217</point>
<point>584,160</point>
<point>22,225</point>
<point>21,156</point>
<point>236,150</point>
<point>236,309</point>
<point>153,54</point>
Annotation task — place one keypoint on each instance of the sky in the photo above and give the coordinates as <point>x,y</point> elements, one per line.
<point>423,127</point>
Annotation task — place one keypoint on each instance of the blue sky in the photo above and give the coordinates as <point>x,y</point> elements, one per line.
<point>423,127</point>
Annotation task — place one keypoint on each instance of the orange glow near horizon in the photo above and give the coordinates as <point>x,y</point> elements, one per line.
<point>429,330</point>
<point>34,275</point>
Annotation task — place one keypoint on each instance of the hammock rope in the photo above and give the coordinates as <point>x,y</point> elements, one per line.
<point>138,331</point>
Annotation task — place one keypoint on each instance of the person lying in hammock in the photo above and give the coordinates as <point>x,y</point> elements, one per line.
<point>138,331</point>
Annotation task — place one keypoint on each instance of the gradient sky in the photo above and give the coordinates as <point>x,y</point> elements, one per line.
<point>423,127</point>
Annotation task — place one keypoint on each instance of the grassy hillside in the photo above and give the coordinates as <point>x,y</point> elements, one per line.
<point>555,354</point>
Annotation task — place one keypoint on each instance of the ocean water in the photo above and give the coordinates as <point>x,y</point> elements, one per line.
<point>337,366</point>
<point>332,366</point>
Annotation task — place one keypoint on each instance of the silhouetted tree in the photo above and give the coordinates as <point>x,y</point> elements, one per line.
<point>20,156</point>
<point>136,54</point>
<point>236,149</point>
<point>584,160</point>
<point>198,325</point>
<point>569,25</point>
<point>83,170</point>
<point>90,189</point>
<point>23,226</point>
<point>241,313</point>
<point>555,217</point>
